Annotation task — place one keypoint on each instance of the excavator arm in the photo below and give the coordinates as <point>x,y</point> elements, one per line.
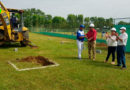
<point>5,19</point>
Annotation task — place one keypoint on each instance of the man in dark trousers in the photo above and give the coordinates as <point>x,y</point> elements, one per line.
<point>121,46</point>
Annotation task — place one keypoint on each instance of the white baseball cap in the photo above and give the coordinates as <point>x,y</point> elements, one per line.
<point>123,28</point>
<point>92,25</point>
<point>113,29</point>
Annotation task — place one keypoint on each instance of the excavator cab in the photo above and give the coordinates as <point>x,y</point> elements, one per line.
<point>11,29</point>
<point>16,23</point>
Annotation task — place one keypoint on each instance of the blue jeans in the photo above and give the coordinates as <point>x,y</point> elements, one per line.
<point>121,60</point>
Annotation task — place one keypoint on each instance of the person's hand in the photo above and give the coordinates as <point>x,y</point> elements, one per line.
<point>109,36</point>
<point>85,36</point>
<point>106,35</point>
<point>89,39</point>
<point>116,34</point>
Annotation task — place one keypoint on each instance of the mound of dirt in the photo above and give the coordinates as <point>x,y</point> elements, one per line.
<point>37,59</point>
<point>101,45</point>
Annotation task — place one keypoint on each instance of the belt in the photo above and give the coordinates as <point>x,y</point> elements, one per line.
<point>92,41</point>
<point>80,41</point>
<point>121,45</point>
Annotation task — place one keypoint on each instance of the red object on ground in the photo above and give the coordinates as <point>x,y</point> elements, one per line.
<point>92,34</point>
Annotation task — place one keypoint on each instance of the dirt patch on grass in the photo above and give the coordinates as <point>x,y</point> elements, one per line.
<point>101,45</point>
<point>37,59</point>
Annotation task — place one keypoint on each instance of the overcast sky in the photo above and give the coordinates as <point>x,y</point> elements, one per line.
<point>101,8</point>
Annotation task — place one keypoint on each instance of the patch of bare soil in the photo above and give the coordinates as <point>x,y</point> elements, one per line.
<point>101,45</point>
<point>37,59</point>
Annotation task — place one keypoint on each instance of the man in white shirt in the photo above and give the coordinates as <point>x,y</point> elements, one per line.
<point>112,45</point>
<point>80,40</point>
<point>122,41</point>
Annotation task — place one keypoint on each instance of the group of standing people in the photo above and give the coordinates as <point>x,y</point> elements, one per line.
<point>116,43</point>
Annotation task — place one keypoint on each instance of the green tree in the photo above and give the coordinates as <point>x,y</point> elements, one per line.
<point>72,20</point>
<point>123,23</point>
<point>58,22</point>
<point>80,19</point>
<point>109,23</point>
<point>100,23</point>
<point>33,17</point>
<point>87,21</point>
<point>37,18</point>
<point>48,21</point>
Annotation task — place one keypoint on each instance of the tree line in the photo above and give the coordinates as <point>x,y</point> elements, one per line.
<point>123,23</point>
<point>37,18</point>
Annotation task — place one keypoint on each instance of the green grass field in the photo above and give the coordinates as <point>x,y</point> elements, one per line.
<point>72,74</point>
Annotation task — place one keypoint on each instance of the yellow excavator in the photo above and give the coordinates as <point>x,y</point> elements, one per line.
<point>11,29</point>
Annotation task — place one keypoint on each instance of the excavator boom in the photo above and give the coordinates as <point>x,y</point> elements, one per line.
<point>5,19</point>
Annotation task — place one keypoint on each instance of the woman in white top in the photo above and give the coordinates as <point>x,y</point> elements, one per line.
<point>112,45</point>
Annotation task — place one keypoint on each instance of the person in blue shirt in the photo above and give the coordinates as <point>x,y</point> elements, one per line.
<point>80,40</point>
<point>14,20</point>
